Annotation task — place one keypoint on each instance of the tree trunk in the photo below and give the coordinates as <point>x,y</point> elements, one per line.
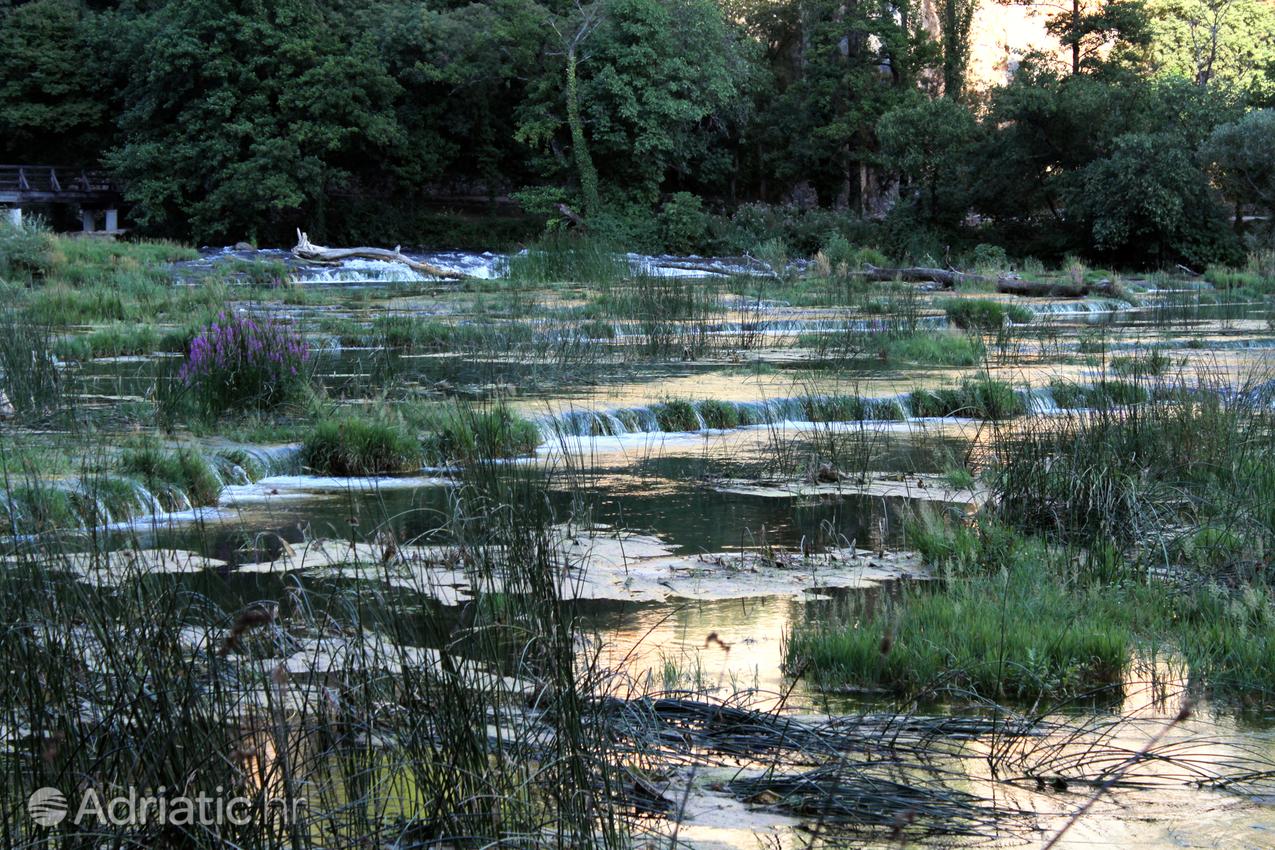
<point>1052,289</point>
<point>949,278</point>
<point>306,250</point>
<point>579,148</point>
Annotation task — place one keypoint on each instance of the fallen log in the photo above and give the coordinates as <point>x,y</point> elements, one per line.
<point>1053,289</point>
<point>949,278</point>
<point>306,250</point>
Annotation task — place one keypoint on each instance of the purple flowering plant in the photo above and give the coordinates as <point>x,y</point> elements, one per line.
<point>244,362</point>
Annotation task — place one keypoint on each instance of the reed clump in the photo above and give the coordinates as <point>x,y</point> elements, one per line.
<point>172,475</point>
<point>461,434</point>
<point>979,398</point>
<point>359,445</point>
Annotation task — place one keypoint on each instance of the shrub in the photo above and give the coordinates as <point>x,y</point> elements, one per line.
<point>683,225</point>
<point>842,257</point>
<point>242,363</point>
<point>356,446</point>
<point>990,258</point>
<point>25,250</point>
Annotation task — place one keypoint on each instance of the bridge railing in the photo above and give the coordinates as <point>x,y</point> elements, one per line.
<point>54,180</point>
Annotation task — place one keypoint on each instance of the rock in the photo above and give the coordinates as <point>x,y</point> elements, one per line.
<point>825,474</point>
<point>245,247</point>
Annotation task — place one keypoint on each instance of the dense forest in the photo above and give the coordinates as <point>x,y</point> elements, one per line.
<point>682,125</point>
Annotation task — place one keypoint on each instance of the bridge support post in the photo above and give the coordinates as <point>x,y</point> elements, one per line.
<point>112,221</point>
<point>15,216</point>
<point>89,219</point>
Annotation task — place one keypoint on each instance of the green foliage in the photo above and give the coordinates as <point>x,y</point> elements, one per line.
<point>172,475</point>
<point>1149,365</point>
<point>990,258</point>
<point>119,340</point>
<point>1017,634</point>
<point>1222,44</point>
<point>641,114</point>
<point>1242,157</point>
<point>935,349</point>
<point>929,143</point>
<point>26,251</point>
<point>1100,395</point>
<point>1148,201</point>
<point>467,435</point>
<point>683,225</point>
<point>354,445</point>
<point>30,377</point>
<point>54,100</point>
<point>568,258</point>
<point>982,398</point>
<point>37,506</point>
<point>657,74</point>
<point>676,415</point>
<point>983,314</point>
<point>1135,474</point>
<point>722,415</point>
<point>224,136</point>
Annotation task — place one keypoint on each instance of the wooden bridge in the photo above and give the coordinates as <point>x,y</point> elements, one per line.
<point>92,191</point>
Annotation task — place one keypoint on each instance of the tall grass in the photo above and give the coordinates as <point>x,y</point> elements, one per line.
<point>30,375</point>
<point>1187,455</point>
<point>568,258</point>
<point>1014,633</point>
<point>376,727</point>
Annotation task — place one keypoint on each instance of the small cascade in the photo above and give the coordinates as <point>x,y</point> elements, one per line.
<point>265,461</point>
<point>360,271</point>
<point>1039,400</point>
<point>713,415</point>
<point>783,327</point>
<point>79,503</point>
<point>1082,307</point>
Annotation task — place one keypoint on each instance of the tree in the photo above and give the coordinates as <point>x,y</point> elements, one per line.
<point>53,104</point>
<point>1089,29</point>
<point>1149,202</point>
<point>241,118</point>
<point>1230,43</point>
<point>642,88</point>
<point>837,68</point>
<point>929,143</point>
<point>955,19</point>
<point>1242,154</point>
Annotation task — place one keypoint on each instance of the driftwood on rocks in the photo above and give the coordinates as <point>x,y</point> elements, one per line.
<point>1008,284</point>
<point>306,250</point>
<point>949,278</point>
<point>1053,289</point>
